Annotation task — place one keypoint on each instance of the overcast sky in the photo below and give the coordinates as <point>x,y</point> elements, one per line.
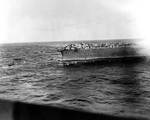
<point>51,20</point>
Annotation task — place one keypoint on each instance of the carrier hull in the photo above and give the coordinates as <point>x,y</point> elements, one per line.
<point>131,59</point>
<point>100,54</point>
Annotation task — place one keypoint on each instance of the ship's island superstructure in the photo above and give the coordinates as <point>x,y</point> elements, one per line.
<point>105,50</point>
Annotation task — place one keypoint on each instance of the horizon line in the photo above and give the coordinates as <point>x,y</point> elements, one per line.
<point>3,43</point>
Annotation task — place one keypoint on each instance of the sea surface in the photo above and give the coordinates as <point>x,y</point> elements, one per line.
<point>32,72</point>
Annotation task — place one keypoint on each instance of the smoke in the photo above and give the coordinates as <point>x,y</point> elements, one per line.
<point>139,10</point>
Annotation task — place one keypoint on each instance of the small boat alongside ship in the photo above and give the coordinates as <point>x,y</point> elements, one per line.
<point>107,50</point>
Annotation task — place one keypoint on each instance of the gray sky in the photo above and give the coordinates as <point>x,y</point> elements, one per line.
<point>51,20</point>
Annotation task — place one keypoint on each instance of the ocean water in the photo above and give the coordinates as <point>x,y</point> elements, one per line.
<point>32,73</point>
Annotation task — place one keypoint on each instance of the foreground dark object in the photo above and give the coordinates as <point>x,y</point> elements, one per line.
<point>23,111</point>
<point>35,112</point>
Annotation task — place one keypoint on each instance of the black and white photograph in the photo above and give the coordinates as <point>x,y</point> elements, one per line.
<point>74,60</point>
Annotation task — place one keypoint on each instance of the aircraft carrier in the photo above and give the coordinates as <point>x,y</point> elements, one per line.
<point>107,50</point>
